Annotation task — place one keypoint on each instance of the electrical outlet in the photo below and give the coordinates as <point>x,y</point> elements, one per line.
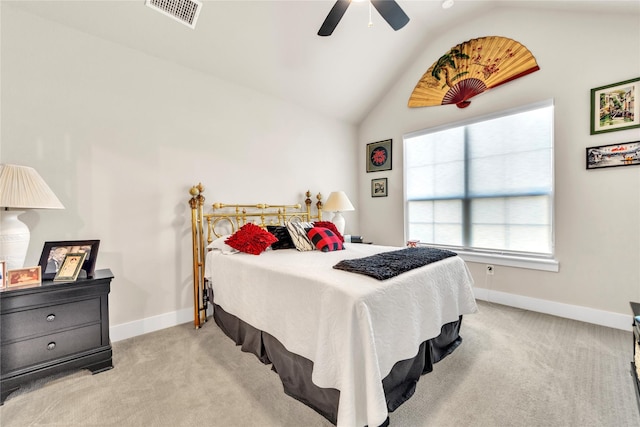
<point>490,270</point>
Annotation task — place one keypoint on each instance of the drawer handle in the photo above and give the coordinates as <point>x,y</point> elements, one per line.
<point>51,318</point>
<point>51,346</point>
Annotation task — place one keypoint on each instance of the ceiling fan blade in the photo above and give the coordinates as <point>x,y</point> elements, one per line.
<point>391,12</point>
<point>334,16</point>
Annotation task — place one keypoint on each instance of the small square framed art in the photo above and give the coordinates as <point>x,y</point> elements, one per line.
<point>379,187</point>
<point>379,156</point>
<point>615,107</point>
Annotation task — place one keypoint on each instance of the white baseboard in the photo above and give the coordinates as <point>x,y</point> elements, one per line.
<point>150,324</point>
<point>575,312</point>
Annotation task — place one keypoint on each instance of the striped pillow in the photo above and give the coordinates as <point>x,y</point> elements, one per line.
<point>324,239</point>
<point>299,235</point>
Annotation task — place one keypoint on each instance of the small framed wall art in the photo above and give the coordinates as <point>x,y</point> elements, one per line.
<point>379,156</point>
<point>609,156</point>
<point>379,187</point>
<point>615,107</point>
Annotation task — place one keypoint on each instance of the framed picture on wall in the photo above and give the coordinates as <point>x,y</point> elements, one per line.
<point>379,156</point>
<point>379,187</point>
<point>609,156</point>
<point>615,107</point>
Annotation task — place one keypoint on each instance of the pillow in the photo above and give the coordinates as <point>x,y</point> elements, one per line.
<point>299,235</point>
<point>251,239</point>
<point>282,234</point>
<point>324,239</point>
<point>222,246</point>
<point>331,226</point>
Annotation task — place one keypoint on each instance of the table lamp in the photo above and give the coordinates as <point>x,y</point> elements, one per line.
<point>21,188</point>
<point>338,202</point>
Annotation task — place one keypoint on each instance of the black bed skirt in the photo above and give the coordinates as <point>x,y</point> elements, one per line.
<point>295,371</point>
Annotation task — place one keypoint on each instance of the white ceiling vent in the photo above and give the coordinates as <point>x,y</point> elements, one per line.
<point>185,11</point>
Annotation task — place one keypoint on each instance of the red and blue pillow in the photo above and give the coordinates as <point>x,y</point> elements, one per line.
<point>331,226</point>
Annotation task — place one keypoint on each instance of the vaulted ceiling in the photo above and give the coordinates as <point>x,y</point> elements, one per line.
<point>273,46</point>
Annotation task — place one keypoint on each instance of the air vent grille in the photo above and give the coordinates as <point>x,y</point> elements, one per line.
<point>185,11</point>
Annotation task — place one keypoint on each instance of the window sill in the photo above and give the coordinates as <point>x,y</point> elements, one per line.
<point>544,264</point>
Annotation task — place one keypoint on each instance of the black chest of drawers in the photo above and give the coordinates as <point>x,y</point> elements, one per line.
<point>52,328</point>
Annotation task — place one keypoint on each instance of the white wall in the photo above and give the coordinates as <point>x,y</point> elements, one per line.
<point>597,212</point>
<point>121,136</point>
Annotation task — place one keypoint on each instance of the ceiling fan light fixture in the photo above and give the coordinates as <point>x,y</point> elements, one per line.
<point>446,4</point>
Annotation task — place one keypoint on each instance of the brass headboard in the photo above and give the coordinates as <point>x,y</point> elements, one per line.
<point>234,216</point>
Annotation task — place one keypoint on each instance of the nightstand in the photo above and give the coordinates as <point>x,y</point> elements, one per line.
<point>55,327</point>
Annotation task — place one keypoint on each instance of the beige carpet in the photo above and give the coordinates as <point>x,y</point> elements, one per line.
<point>514,368</point>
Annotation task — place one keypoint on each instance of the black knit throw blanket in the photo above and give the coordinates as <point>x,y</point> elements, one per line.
<point>385,265</point>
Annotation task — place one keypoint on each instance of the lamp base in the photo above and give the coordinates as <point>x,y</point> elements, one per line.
<point>14,239</point>
<point>338,221</point>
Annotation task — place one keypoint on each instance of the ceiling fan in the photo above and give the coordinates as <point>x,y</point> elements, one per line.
<point>389,9</point>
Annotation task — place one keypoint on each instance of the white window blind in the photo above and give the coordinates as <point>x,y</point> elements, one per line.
<point>484,185</point>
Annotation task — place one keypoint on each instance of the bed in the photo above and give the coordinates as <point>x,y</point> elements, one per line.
<point>350,346</point>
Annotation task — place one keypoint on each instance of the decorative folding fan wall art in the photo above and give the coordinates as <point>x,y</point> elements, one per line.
<point>471,68</point>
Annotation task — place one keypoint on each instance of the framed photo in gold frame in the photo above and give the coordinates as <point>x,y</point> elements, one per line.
<point>22,277</point>
<point>70,268</point>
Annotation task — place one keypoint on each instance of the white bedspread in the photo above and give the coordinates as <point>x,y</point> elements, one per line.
<point>354,328</point>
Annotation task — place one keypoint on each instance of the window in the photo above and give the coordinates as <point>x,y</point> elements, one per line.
<point>484,186</point>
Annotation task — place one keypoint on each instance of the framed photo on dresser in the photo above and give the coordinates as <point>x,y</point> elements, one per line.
<point>3,274</point>
<point>70,268</point>
<point>20,277</point>
<point>54,253</point>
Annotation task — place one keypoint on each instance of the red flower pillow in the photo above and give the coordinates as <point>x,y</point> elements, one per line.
<point>324,239</point>
<point>251,239</point>
<point>331,226</point>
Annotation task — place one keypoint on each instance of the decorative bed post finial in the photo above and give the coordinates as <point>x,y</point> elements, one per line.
<point>319,206</point>
<point>196,195</point>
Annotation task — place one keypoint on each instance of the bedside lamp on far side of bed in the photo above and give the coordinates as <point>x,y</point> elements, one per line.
<point>21,188</point>
<point>337,203</point>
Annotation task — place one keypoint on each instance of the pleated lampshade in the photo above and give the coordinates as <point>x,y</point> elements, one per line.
<point>21,187</point>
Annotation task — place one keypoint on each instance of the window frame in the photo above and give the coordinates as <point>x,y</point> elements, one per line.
<point>537,261</point>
